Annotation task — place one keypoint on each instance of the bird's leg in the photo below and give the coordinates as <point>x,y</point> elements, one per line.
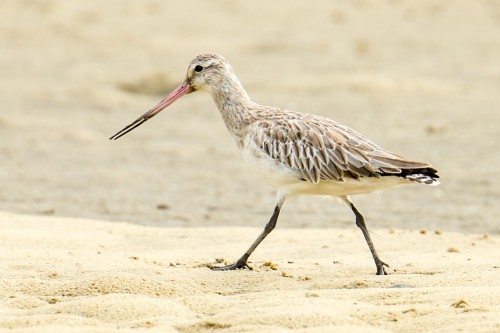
<point>360,222</point>
<point>242,262</point>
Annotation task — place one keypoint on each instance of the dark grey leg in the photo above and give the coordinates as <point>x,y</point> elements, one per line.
<point>242,262</point>
<point>360,222</point>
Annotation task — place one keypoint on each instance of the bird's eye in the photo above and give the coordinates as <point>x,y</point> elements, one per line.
<point>198,68</point>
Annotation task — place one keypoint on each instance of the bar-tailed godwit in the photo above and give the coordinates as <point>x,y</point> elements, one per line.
<point>297,153</point>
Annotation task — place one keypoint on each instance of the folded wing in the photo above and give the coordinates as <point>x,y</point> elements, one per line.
<point>318,148</point>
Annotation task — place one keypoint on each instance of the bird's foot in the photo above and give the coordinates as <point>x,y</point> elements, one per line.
<point>236,265</point>
<point>380,267</point>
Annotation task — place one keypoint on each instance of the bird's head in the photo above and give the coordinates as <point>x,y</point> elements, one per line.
<point>205,72</point>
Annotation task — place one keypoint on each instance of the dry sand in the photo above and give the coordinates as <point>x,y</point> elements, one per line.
<point>72,275</point>
<point>102,236</point>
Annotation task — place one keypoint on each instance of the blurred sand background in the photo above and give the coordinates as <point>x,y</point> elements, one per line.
<point>420,78</point>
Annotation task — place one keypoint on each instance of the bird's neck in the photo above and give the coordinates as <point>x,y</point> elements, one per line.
<point>234,105</point>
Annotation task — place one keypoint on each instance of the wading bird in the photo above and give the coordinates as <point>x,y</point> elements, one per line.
<point>297,153</point>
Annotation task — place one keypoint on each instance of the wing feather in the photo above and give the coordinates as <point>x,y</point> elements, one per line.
<point>318,148</point>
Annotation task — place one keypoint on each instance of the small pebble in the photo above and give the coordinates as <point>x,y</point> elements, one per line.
<point>162,206</point>
<point>460,304</point>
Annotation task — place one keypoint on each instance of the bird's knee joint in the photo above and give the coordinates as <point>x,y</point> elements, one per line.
<point>360,222</point>
<point>269,227</point>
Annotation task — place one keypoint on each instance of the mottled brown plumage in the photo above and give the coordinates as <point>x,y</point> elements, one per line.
<point>297,153</point>
<point>319,149</point>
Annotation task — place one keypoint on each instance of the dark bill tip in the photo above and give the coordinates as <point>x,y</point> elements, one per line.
<point>183,89</point>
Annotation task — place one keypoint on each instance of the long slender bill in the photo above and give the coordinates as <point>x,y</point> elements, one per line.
<point>183,89</point>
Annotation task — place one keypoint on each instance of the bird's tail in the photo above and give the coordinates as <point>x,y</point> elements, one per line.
<point>427,176</point>
<point>423,179</point>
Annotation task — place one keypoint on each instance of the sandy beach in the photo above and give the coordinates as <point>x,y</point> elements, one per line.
<point>74,275</point>
<point>102,236</point>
